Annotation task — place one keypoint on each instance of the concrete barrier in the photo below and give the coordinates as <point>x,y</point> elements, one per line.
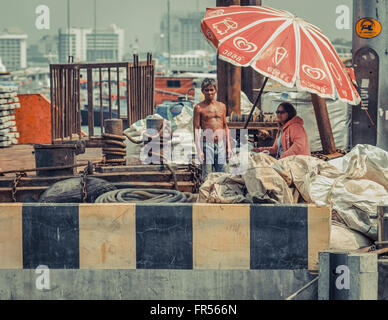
<point>383,279</point>
<point>198,245</point>
<point>348,276</point>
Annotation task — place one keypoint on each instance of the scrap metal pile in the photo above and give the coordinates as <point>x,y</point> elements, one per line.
<point>26,187</point>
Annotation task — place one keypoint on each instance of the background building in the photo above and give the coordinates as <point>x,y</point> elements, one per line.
<point>44,52</point>
<point>13,49</point>
<point>85,45</point>
<point>185,33</point>
<point>69,44</point>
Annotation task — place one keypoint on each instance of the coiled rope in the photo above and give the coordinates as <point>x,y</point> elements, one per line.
<point>145,196</point>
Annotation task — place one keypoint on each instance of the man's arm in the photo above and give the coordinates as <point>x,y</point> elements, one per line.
<point>197,131</point>
<point>228,144</point>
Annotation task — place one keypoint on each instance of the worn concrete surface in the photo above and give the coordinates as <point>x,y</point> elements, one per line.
<point>361,275</point>
<point>383,279</point>
<point>158,284</point>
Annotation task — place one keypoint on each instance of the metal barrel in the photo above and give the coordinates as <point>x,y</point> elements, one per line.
<point>51,155</point>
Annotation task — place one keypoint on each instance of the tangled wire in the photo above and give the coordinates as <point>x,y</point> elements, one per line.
<point>145,196</point>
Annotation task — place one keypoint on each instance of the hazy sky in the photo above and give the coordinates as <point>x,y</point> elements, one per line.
<point>141,18</point>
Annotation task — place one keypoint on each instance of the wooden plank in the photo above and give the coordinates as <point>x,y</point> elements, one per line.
<point>319,226</point>
<point>21,194</point>
<point>11,252</point>
<point>139,168</point>
<point>107,236</point>
<point>154,176</point>
<point>221,236</point>
<point>253,124</point>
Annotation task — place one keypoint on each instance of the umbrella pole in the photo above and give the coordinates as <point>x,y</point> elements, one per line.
<point>256,102</point>
<point>324,126</point>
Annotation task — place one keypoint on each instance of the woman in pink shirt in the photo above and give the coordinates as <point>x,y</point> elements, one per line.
<point>291,138</point>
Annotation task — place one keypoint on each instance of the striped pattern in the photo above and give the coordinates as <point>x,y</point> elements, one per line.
<point>163,236</point>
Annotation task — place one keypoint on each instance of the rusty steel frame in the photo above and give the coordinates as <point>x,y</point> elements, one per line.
<point>65,90</point>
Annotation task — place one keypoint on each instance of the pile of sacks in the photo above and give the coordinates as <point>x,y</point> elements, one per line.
<point>179,130</point>
<point>353,186</point>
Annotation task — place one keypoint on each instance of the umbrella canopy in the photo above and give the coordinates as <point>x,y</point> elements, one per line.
<point>280,46</point>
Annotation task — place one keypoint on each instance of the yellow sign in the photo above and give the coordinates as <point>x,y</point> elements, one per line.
<point>368,28</point>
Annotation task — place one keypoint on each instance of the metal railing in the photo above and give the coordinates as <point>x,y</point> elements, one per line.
<point>84,95</point>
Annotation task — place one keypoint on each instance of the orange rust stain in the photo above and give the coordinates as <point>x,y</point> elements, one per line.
<point>33,119</point>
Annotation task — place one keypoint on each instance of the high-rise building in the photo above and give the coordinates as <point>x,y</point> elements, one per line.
<point>72,43</point>
<point>13,49</point>
<point>44,52</point>
<point>185,33</point>
<point>48,45</point>
<point>86,45</point>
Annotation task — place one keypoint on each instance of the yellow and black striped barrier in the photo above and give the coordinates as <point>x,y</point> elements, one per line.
<point>164,236</point>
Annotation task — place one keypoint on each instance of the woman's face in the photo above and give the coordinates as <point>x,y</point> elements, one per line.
<point>281,114</point>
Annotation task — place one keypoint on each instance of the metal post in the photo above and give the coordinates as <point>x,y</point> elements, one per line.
<point>168,36</point>
<point>370,59</point>
<point>68,28</point>
<point>90,102</point>
<point>68,15</point>
<point>251,79</point>
<point>222,94</point>
<point>95,32</point>
<point>256,102</point>
<point>229,89</point>
<point>347,276</point>
<point>382,227</point>
<point>234,89</point>
<point>324,126</point>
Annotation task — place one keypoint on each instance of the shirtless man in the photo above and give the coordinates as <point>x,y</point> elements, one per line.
<point>210,120</point>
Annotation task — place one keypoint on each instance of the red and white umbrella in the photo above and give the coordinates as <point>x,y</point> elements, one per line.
<point>280,46</point>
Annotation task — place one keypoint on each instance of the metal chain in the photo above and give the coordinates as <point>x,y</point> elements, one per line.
<point>83,177</point>
<point>16,181</point>
<point>195,176</point>
<point>89,169</point>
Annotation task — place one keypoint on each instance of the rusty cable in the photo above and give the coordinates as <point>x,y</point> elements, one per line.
<point>113,136</point>
<point>132,139</point>
<point>114,142</point>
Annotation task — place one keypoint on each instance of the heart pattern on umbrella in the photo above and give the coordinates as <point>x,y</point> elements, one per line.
<point>280,46</point>
<point>314,73</point>
<point>244,45</point>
